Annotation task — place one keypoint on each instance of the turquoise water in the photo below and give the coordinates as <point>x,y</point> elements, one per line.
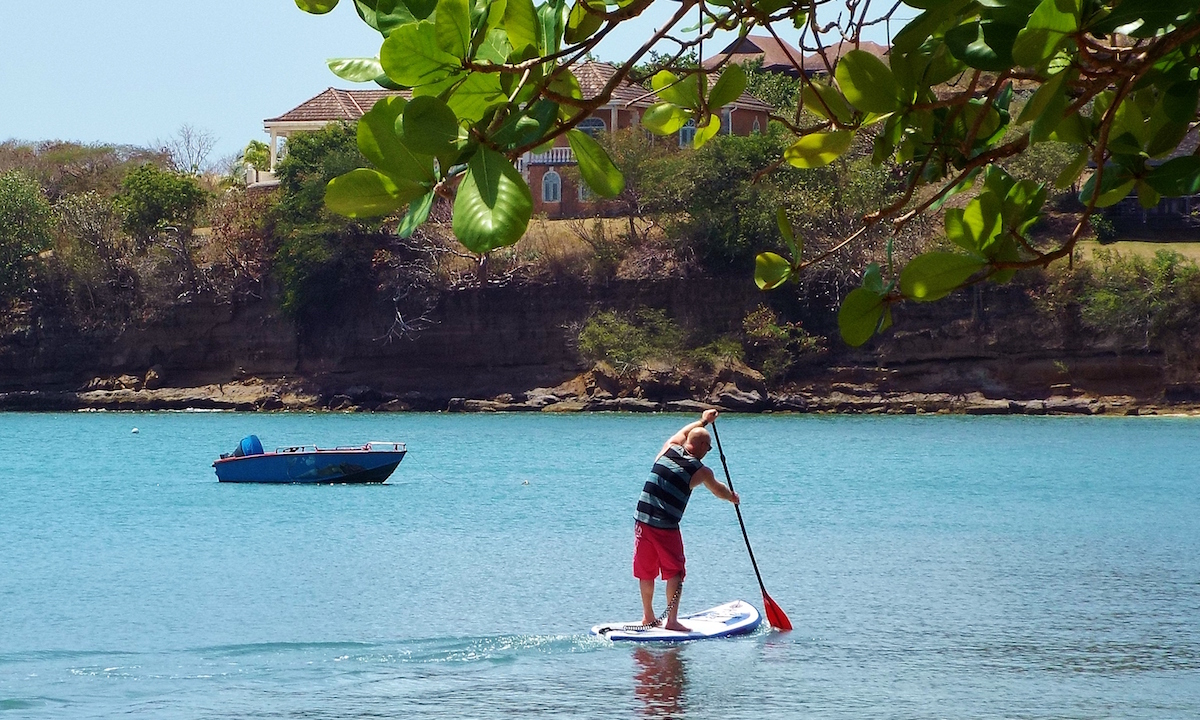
<point>934,567</point>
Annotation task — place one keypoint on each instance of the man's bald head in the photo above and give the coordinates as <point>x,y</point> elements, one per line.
<point>698,442</point>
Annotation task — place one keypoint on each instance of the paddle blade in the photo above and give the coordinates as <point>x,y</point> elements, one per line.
<point>775,614</point>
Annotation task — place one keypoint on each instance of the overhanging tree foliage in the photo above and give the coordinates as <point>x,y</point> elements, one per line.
<point>491,79</point>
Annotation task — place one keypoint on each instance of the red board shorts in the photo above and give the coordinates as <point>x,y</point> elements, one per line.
<point>657,551</point>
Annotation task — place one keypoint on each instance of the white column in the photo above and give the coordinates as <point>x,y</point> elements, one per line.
<point>274,148</point>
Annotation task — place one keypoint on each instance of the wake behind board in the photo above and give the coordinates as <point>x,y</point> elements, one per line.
<point>733,618</point>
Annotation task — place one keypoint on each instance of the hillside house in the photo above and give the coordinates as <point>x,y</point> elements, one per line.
<point>555,193</point>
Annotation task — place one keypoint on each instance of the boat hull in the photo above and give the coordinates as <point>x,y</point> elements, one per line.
<point>321,467</point>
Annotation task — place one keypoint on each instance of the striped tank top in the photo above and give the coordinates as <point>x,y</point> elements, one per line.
<point>665,494</point>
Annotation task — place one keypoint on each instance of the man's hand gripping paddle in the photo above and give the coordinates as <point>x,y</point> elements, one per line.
<point>775,615</point>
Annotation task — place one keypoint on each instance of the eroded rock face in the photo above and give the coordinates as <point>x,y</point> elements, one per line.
<point>507,347</point>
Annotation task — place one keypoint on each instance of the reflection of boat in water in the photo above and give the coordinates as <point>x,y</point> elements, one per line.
<point>369,463</point>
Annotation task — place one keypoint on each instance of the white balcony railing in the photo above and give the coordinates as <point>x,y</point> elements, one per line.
<point>553,156</point>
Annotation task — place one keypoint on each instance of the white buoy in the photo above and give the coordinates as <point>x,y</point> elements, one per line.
<point>134,431</point>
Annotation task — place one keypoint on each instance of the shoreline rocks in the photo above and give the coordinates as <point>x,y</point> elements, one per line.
<point>581,394</point>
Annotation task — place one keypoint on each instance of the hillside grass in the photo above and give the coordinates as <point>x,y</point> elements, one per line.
<point>1140,248</point>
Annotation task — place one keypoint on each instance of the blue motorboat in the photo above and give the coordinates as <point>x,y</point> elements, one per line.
<point>373,462</point>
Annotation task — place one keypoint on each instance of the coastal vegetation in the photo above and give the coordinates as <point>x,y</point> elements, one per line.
<point>956,162</point>
<point>1115,79</point>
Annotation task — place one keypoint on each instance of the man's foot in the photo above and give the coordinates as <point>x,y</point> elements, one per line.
<point>652,622</point>
<point>677,627</point>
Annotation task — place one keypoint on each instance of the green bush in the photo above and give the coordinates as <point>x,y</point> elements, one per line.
<point>1105,231</point>
<point>312,160</point>
<point>153,200</point>
<point>776,347</point>
<point>721,351</point>
<point>627,340</point>
<point>1139,300</point>
<point>26,227</point>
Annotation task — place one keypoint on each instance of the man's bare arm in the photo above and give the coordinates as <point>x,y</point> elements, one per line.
<point>715,486</point>
<point>678,438</point>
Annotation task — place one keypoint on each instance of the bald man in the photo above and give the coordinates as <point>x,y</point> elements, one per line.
<point>657,544</point>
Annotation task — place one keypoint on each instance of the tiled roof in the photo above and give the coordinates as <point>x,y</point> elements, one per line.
<point>779,56</point>
<point>594,76</point>
<point>335,104</point>
<point>814,63</point>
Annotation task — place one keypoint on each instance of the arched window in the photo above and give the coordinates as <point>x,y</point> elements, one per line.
<point>585,192</point>
<point>592,126</point>
<point>551,187</point>
<point>757,128</point>
<point>687,133</point>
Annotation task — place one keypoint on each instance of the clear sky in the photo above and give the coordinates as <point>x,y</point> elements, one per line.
<point>135,71</point>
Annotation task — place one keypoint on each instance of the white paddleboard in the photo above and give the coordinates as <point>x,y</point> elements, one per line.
<point>733,618</point>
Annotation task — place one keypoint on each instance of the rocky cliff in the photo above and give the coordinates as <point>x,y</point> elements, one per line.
<point>509,345</point>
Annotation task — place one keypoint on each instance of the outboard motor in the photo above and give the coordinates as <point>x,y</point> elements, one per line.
<point>250,445</point>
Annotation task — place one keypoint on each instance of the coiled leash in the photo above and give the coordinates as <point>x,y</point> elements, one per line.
<point>646,626</point>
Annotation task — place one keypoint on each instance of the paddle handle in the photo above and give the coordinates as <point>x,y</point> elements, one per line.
<point>738,509</point>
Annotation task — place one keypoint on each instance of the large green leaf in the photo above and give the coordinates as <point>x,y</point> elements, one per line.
<point>385,15</point>
<point>356,69</point>
<point>1142,18</point>
<point>1180,100</point>
<point>771,270</point>
<point>1052,22</point>
<point>596,167</point>
<point>521,23</point>
<point>935,275</point>
<point>818,149</point>
<point>729,86</point>
<point>795,243</point>
<point>860,316</point>
<point>1042,99</point>
<point>552,20</point>
<point>826,101</point>
<point>867,83</point>
<point>366,193</point>
<point>1115,185</point>
<point>664,118</point>
<point>493,204</point>
<point>495,48</point>
<point>420,9</point>
<point>430,126</point>
<point>411,56</point>
<point>706,132</point>
<point>418,213</point>
<point>452,24</point>
<point>380,142</point>
<point>976,226</point>
<point>684,92</point>
<point>582,24</point>
<point>476,95</point>
<point>983,45</point>
<point>916,31</point>
<point>316,7</point>
<point>1177,177</point>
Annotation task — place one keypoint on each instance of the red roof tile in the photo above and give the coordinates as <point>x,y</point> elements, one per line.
<point>334,104</point>
<point>777,55</point>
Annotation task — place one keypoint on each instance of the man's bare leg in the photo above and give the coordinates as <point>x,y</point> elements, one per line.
<point>674,590</point>
<point>647,588</point>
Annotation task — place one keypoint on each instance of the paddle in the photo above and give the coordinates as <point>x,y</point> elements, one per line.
<point>775,615</point>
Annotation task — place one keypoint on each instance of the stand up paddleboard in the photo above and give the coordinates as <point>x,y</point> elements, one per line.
<point>734,618</point>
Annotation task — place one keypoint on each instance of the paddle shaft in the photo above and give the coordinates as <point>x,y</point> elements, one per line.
<point>729,482</point>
